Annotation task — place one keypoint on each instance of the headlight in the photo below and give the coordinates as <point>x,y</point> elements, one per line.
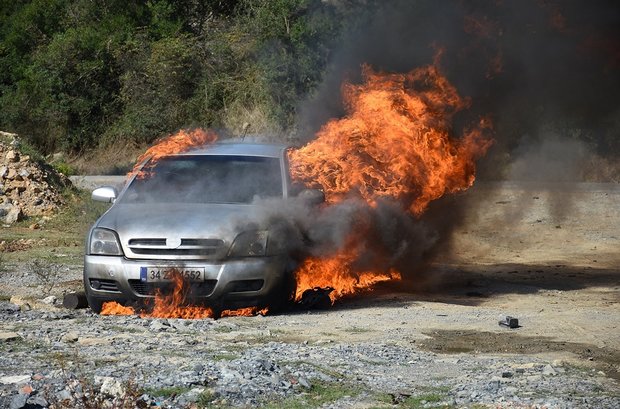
<point>104,242</point>
<point>249,244</point>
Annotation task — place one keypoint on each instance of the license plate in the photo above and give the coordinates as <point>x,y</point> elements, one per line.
<point>163,274</point>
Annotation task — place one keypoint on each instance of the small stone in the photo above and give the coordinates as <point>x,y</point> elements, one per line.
<point>5,208</point>
<point>158,325</point>
<point>50,300</point>
<point>70,336</point>
<point>11,307</point>
<point>510,390</point>
<point>63,395</point>
<point>112,387</point>
<point>15,214</point>
<point>37,401</point>
<point>548,370</point>
<point>12,156</point>
<point>9,336</point>
<point>87,342</point>
<point>304,382</point>
<point>190,397</point>
<point>26,389</point>
<point>493,386</point>
<point>507,374</point>
<point>15,379</point>
<point>462,394</point>
<point>19,401</point>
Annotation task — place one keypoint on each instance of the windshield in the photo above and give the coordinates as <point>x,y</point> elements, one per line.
<point>207,179</point>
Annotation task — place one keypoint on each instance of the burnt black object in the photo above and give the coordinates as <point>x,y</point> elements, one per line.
<point>316,298</point>
<point>510,322</point>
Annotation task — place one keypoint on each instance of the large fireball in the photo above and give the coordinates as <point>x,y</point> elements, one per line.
<point>395,143</point>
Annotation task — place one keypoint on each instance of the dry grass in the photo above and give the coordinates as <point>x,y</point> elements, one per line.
<point>116,159</point>
<point>255,120</point>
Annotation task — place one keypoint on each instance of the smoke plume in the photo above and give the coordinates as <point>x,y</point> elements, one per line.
<point>546,73</point>
<point>529,65</point>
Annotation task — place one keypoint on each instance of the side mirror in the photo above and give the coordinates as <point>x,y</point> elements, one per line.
<point>105,194</point>
<point>312,196</point>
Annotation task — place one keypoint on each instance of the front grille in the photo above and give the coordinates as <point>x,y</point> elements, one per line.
<point>187,248</point>
<point>199,289</point>
<point>147,242</point>
<point>103,285</point>
<point>175,252</point>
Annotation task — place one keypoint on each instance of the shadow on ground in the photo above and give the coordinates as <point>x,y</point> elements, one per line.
<point>473,286</point>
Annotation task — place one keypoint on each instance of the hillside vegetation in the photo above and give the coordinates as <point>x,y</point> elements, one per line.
<point>78,74</point>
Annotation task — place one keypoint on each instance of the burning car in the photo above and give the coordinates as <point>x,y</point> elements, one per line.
<point>180,216</point>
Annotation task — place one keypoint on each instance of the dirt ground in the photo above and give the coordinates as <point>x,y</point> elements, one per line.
<point>548,255</point>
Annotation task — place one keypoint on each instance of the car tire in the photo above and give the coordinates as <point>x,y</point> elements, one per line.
<point>95,304</point>
<point>284,297</point>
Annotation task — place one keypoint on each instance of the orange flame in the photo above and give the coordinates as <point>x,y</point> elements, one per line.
<point>182,141</point>
<point>336,272</point>
<point>245,312</point>
<point>175,305</point>
<point>394,143</point>
<point>114,308</point>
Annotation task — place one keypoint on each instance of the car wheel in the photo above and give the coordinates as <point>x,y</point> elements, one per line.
<point>95,304</point>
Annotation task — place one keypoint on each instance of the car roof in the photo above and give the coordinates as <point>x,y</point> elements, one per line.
<point>270,150</point>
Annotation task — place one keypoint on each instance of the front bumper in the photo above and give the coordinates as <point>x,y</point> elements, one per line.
<point>236,283</point>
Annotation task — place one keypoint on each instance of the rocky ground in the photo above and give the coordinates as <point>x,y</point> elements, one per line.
<point>548,257</point>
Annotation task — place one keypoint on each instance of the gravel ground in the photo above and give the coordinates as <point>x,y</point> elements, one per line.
<point>249,361</point>
<point>409,345</point>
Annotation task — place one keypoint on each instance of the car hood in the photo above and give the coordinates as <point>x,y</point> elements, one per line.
<point>176,220</point>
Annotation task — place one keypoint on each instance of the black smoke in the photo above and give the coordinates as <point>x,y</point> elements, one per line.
<point>538,68</point>
<point>547,74</point>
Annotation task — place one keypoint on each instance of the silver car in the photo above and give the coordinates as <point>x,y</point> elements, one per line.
<point>188,213</point>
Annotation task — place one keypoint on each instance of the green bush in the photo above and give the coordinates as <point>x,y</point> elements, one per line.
<point>76,74</point>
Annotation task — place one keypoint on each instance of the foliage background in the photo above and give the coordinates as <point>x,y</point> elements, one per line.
<point>78,74</point>
<point>101,79</point>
